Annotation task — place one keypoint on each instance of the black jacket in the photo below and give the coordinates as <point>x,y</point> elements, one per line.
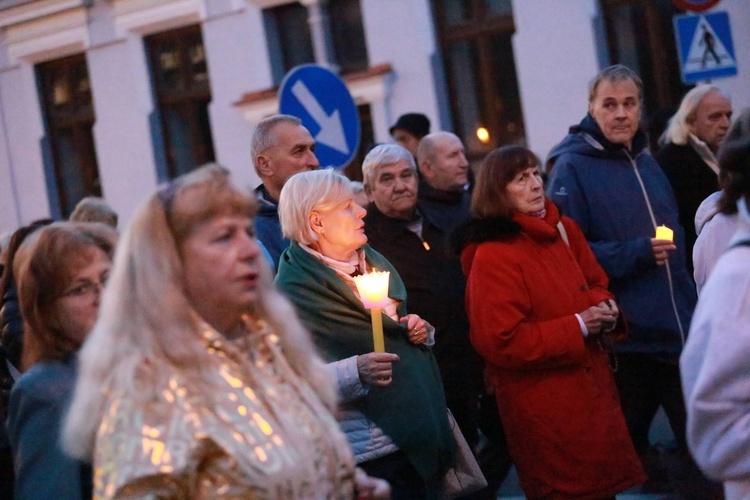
<point>692,182</point>
<point>435,288</point>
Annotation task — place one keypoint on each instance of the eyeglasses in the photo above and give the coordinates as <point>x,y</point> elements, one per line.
<point>85,289</point>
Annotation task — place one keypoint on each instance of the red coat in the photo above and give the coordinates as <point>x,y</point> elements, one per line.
<point>555,392</point>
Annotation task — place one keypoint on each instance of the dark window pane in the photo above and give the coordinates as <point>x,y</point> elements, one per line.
<point>168,68</point>
<point>502,7</point>
<point>182,86</point>
<point>366,142</point>
<point>69,118</point>
<point>475,36</point>
<point>348,35</point>
<point>506,101</point>
<point>456,11</point>
<point>463,72</point>
<point>293,32</point>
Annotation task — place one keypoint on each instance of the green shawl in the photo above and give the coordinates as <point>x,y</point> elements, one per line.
<point>411,410</point>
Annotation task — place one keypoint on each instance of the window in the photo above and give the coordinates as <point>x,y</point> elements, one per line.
<point>640,35</point>
<point>69,116</point>
<point>182,88</point>
<point>475,36</point>
<point>348,35</point>
<point>290,41</point>
<point>366,142</point>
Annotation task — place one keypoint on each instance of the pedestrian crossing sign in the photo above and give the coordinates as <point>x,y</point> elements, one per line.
<point>704,44</point>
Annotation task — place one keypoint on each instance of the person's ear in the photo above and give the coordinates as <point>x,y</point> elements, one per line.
<point>425,169</point>
<point>264,165</point>
<point>316,222</point>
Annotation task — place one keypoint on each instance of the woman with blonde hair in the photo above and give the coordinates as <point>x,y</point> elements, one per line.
<point>198,381</point>
<point>61,271</point>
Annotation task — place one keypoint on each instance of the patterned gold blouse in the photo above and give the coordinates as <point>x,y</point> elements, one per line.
<point>264,435</point>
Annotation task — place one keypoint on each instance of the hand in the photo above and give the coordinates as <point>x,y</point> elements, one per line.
<point>370,488</point>
<point>612,306</point>
<point>597,318</point>
<point>416,328</point>
<point>376,368</point>
<point>661,250</point>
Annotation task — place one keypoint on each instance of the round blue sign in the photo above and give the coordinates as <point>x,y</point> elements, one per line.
<point>319,98</point>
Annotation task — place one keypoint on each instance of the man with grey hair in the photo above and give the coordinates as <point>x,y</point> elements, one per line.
<point>281,147</point>
<point>605,178</point>
<point>420,251</point>
<point>94,209</point>
<point>445,174</point>
<point>688,146</point>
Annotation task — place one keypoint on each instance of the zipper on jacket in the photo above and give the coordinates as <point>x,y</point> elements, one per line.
<point>666,263</point>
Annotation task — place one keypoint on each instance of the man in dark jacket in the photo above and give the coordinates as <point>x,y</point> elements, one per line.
<point>281,147</point>
<point>445,174</point>
<point>419,250</point>
<point>688,146</point>
<point>605,178</point>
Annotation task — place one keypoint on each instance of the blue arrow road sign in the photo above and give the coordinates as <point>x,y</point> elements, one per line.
<point>321,100</point>
<point>704,43</point>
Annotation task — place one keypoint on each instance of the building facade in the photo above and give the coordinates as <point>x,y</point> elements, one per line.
<point>113,97</point>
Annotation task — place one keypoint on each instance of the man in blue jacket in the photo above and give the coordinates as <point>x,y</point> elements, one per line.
<point>604,177</point>
<point>281,147</point>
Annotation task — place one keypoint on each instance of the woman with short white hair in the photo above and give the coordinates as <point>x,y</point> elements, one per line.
<point>392,404</point>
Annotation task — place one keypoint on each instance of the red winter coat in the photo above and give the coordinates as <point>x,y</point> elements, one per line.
<point>555,392</point>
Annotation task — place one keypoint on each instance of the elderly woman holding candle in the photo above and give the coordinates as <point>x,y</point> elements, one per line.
<point>392,404</point>
<point>541,317</point>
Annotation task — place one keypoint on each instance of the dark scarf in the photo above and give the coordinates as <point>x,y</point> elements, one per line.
<point>411,410</point>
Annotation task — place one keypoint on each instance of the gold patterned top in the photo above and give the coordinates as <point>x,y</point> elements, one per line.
<point>265,435</point>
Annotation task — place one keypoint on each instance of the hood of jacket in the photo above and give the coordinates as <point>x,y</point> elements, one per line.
<point>587,138</point>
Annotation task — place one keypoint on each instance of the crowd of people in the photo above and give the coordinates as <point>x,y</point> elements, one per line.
<point>535,317</point>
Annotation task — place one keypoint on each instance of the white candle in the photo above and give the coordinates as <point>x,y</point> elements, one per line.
<point>373,291</point>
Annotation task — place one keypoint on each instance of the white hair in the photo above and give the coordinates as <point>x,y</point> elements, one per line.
<point>147,328</point>
<point>678,127</point>
<point>304,192</point>
<point>383,156</point>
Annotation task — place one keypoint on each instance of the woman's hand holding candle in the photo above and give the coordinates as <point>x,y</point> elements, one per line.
<point>376,368</point>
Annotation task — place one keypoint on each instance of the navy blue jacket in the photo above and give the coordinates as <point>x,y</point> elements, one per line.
<point>268,226</point>
<point>618,197</point>
<point>38,403</point>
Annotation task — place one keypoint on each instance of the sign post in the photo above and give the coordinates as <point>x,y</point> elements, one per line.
<point>321,100</point>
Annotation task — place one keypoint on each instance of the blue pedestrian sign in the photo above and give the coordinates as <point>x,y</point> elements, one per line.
<point>704,43</point>
<point>321,100</point>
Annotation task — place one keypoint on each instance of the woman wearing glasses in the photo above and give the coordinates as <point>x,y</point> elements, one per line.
<point>61,273</point>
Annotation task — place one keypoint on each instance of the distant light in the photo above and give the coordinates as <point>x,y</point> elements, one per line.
<point>483,135</point>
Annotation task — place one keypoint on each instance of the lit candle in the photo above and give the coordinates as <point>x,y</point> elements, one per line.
<point>664,233</point>
<point>373,291</point>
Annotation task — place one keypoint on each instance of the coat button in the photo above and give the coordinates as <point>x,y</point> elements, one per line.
<point>583,288</point>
